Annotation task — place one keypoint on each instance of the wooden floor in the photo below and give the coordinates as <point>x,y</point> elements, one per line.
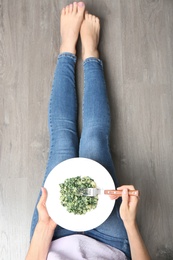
<point>137,49</point>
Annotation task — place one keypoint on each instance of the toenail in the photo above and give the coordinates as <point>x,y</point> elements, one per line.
<point>81,4</point>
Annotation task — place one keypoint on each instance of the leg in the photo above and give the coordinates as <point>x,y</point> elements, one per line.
<point>94,143</point>
<point>63,101</point>
<point>62,118</point>
<point>63,113</point>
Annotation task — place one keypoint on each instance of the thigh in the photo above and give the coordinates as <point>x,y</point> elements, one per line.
<point>114,226</point>
<point>112,231</point>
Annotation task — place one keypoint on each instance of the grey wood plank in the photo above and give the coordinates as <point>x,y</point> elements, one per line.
<point>13,221</point>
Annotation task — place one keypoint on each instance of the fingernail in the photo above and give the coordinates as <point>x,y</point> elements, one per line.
<point>124,191</point>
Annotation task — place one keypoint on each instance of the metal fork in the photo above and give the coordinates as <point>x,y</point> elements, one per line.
<point>91,192</point>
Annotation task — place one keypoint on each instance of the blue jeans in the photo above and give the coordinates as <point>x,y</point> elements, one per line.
<point>94,140</point>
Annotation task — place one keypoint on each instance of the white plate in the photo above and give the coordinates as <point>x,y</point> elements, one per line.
<point>73,168</point>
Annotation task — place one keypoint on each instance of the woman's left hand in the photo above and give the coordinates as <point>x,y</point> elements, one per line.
<point>44,217</point>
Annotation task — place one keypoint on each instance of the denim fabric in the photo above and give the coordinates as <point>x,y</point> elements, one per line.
<point>93,143</point>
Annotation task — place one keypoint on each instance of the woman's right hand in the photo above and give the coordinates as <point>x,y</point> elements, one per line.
<point>44,217</point>
<point>128,208</point>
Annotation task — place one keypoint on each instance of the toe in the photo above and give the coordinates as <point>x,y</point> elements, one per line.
<point>75,7</point>
<point>86,15</point>
<point>63,11</point>
<point>93,18</point>
<point>97,20</point>
<point>90,17</point>
<point>81,7</point>
<point>70,8</point>
<point>67,9</point>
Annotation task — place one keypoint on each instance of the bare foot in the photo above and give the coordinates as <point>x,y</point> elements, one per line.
<point>90,31</point>
<point>71,19</point>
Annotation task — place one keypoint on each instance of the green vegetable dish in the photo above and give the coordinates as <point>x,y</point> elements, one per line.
<point>71,198</point>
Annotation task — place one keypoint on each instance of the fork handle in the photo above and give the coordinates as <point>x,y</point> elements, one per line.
<point>119,192</point>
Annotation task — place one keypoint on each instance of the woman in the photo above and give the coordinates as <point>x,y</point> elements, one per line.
<point>118,237</point>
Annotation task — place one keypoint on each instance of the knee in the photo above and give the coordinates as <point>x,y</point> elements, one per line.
<point>93,142</point>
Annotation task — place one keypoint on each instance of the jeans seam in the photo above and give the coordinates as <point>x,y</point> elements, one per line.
<point>83,102</point>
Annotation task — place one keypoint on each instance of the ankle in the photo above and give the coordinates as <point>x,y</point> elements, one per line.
<point>67,48</point>
<point>90,54</point>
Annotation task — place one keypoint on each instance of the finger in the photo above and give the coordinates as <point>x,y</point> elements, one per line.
<point>114,197</point>
<point>44,195</point>
<point>43,198</point>
<point>125,197</point>
<point>133,201</point>
<point>129,187</point>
